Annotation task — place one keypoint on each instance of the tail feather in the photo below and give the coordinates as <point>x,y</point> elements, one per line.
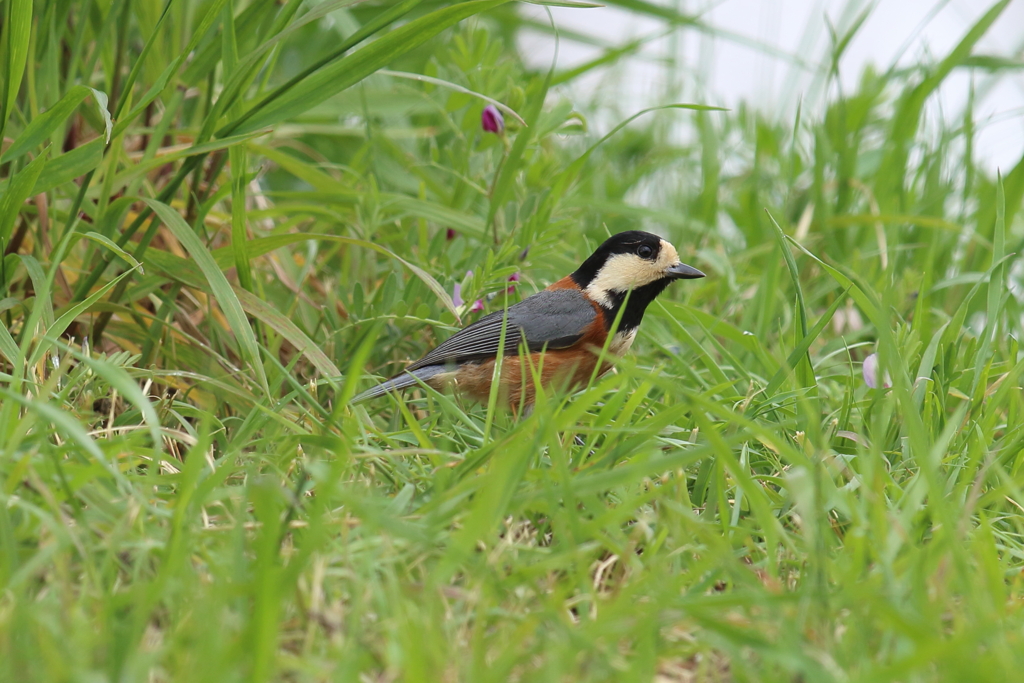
<point>399,382</point>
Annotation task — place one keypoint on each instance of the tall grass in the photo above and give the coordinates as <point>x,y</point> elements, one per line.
<point>217,218</point>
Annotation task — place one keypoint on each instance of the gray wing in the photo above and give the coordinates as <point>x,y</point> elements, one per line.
<point>401,381</point>
<point>554,319</point>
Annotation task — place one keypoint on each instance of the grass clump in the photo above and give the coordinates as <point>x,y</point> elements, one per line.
<point>218,217</point>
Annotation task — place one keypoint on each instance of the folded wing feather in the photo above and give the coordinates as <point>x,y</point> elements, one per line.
<point>554,319</point>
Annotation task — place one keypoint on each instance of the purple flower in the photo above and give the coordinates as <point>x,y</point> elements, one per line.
<point>457,290</point>
<point>514,277</point>
<point>457,299</point>
<point>492,121</point>
<point>870,370</point>
<point>450,234</point>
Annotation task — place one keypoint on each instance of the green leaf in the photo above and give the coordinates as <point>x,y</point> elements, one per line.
<point>72,429</point>
<point>71,165</point>
<point>43,125</point>
<point>432,211</point>
<point>119,379</point>
<point>907,118</point>
<point>805,371</point>
<point>101,104</point>
<point>346,72</point>
<point>566,177</point>
<point>139,63</point>
<point>19,189</point>
<point>304,171</point>
<point>239,236</point>
<point>68,316</point>
<point>8,346</point>
<point>169,157</point>
<point>801,349</point>
<point>453,86</point>
<point>219,286</point>
<point>41,285</point>
<point>265,245</point>
<point>112,246</point>
<point>18,30</point>
<point>201,28</point>
<point>565,3</point>
<point>372,27</point>
<point>278,322</point>
<point>510,166</point>
<point>998,287</point>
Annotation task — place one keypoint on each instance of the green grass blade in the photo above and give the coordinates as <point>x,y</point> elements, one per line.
<point>40,127</point>
<point>18,190</point>
<point>219,285</point>
<point>17,31</point>
<point>64,320</point>
<point>70,165</point>
<point>800,351</point>
<point>348,71</point>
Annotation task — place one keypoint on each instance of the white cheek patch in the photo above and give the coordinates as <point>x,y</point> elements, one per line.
<point>620,273</point>
<point>599,295</point>
<point>615,275</point>
<point>623,272</point>
<point>667,256</point>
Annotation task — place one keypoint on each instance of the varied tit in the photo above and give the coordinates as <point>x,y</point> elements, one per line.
<point>561,329</point>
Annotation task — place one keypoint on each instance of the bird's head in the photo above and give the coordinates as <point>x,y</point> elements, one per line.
<point>636,263</point>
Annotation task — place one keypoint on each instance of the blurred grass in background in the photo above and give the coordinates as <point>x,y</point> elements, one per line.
<point>217,216</point>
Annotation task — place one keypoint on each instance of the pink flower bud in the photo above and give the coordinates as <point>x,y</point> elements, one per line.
<point>450,234</point>
<point>870,371</point>
<point>478,305</point>
<point>457,290</point>
<point>492,121</point>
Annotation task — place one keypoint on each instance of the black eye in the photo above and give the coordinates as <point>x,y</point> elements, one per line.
<point>644,251</point>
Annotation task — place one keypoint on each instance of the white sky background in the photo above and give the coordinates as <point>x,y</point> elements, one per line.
<point>728,68</point>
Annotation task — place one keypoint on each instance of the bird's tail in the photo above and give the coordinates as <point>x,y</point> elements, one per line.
<point>406,379</point>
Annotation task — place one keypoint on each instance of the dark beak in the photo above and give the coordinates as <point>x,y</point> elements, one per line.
<point>681,271</point>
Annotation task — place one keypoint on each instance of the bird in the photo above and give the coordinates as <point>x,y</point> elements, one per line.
<point>557,333</point>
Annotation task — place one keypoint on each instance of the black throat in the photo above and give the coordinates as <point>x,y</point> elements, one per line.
<point>632,304</point>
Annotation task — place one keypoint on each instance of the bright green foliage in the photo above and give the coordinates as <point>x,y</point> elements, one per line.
<point>218,217</point>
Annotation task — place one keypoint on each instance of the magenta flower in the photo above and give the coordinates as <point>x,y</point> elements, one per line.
<point>870,371</point>
<point>450,234</point>
<point>492,121</point>
<point>478,305</point>
<point>514,277</point>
